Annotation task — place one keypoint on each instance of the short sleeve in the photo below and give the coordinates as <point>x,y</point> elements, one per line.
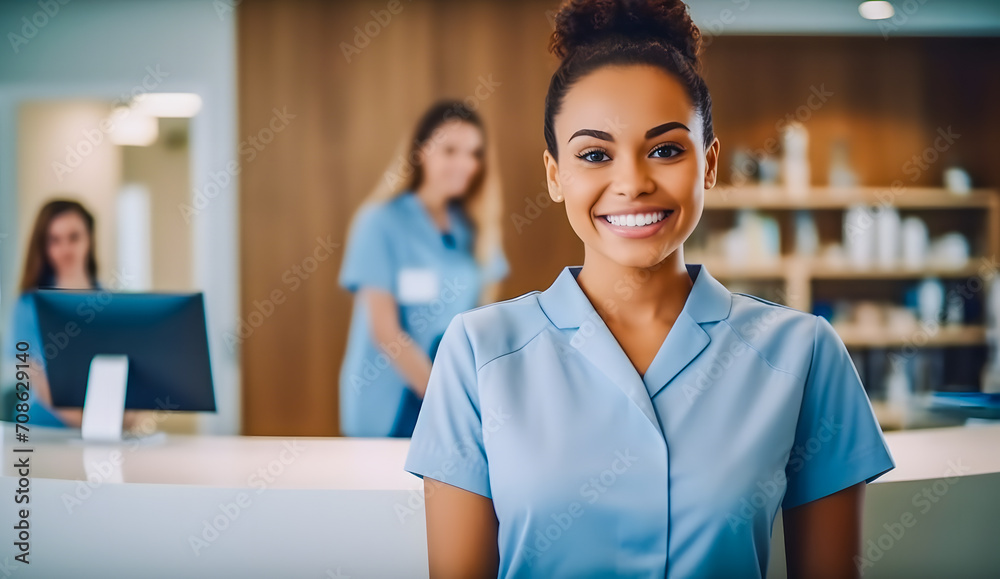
<point>23,328</point>
<point>368,259</point>
<point>498,268</point>
<point>447,441</point>
<point>838,441</point>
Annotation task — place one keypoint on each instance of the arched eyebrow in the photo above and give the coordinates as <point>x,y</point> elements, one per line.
<point>665,127</point>
<point>602,135</point>
<point>651,133</point>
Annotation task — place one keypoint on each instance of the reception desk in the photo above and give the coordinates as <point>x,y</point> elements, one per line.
<point>197,506</point>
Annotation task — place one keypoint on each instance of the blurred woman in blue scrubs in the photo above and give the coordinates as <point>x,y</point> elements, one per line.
<point>60,256</point>
<point>636,418</point>
<point>425,246</point>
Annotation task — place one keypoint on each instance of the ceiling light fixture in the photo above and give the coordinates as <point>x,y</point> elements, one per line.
<point>874,10</point>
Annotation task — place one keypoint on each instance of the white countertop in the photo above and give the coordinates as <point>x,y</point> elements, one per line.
<point>219,461</point>
<point>377,464</point>
<point>938,452</point>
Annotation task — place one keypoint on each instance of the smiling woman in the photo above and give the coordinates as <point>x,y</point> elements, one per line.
<point>727,407</point>
<point>651,151</point>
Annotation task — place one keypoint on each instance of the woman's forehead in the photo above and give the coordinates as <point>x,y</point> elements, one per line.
<point>457,129</point>
<point>625,99</point>
<point>67,219</point>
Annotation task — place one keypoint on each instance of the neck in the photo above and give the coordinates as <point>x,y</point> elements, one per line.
<point>73,280</point>
<point>437,205</point>
<point>635,295</point>
<point>431,198</point>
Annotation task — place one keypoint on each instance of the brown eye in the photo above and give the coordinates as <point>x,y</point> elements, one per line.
<point>594,156</point>
<point>666,150</point>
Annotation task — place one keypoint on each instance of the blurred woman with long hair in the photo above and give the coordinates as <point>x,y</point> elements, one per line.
<point>61,255</point>
<point>424,246</point>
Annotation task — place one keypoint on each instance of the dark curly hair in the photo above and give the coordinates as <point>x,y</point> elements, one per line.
<point>590,34</point>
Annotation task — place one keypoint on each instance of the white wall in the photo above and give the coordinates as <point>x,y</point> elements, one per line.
<point>165,171</point>
<point>103,49</point>
<point>45,130</point>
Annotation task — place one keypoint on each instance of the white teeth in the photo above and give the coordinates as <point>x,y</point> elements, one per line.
<point>636,219</point>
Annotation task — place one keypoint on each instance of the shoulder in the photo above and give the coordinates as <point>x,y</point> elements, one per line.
<point>783,336</point>
<point>747,307</point>
<point>23,323</point>
<point>25,304</point>
<point>500,328</point>
<point>378,213</point>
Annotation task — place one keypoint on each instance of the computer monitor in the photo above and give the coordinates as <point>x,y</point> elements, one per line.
<point>107,351</point>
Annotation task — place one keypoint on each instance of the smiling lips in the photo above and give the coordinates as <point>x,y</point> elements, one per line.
<point>636,225</point>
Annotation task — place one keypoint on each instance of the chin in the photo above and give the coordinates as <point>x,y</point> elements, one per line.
<point>456,193</point>
<point>636,259</point>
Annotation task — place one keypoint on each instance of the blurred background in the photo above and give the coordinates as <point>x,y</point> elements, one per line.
<point>859,173</point>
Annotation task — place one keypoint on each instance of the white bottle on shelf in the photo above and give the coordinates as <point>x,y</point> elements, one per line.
<point>859,236</point>
<point>899,391</point>
<point>795,160</point>
<point>887,226</point>
<point>806,235</point>
<point>930,302</point>
<point>915,242</point>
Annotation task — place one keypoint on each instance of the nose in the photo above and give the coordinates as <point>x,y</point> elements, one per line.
<point>464,164</point>
<point>632,177</point>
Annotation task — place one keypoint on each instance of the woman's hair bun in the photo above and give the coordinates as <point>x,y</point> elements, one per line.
<point>583,22</point>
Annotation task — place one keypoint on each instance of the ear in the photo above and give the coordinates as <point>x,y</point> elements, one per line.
<point>712,164</point>
<point>552,176</point>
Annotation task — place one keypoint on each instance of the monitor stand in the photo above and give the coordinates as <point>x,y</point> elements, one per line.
<point>104,402</point>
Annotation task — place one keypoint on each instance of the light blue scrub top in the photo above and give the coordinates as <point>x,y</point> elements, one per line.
<point>597,471</point>
<point>397,247</point>
<point>24,328</point>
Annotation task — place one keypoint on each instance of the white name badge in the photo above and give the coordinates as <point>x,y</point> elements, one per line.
<point>417,285</point>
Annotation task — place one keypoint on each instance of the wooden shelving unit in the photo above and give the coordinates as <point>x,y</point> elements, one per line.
<point>967,335</point>
<point>726,197</point>
<point>798,274</point>
<point>790,267</point>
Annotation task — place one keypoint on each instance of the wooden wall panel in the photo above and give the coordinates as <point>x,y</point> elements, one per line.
<point>889,98</point>
<point>349,118</point>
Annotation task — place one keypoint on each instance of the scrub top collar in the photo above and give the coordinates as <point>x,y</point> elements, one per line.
<point>456,219</point>
<point>565,304</point>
